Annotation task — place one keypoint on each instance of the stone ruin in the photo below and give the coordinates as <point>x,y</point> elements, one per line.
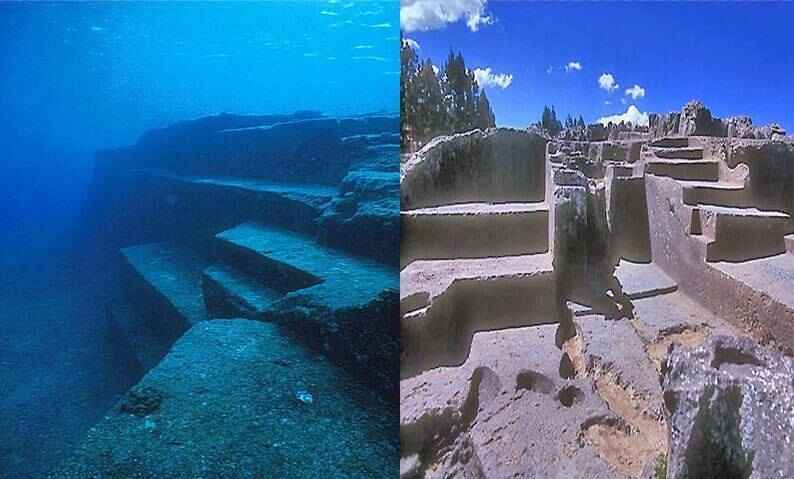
<point>258,257</point>
<point>570,309</point>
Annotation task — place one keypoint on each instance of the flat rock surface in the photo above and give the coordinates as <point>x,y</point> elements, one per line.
<point>734,211</point>
<point>674,314</point>
<point>313,195</point>
<point>773,276</point>
<point>236,399</point>
<point>508,404</point>
<point>245,292</point>
<point>717,185</point>
<point>173,271</point>
<point>479,209</point>
<point>643,279</point>
<point>435,276</point>
<point>346,281</point>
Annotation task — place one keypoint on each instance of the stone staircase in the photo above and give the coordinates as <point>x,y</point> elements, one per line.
<point>466,267</point>
<point>726,252</point>
<point>330,299</point>
<point>722,213</point>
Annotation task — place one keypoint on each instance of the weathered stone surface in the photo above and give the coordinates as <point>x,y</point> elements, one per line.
<point>771,171</point>
<point>505,412</point>
<point>627,213</point>
<point>584,260</point>
<point>497,165</point>
<point>729,405</point>
<point>344,305</point>
<point>693,120</point>
<point>365,216</point>
<point>234,403</point>
<point>696,120</point>
<point>307,148</point>
<point>196,178</point>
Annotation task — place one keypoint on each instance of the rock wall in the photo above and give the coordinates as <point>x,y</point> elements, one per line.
<point>627,212</point>
<point>166,186</point>
<point>284,148</point>
<point>695,119</point>
<point>771,171</point>
<point>728,406</point>
<point>494,165</point>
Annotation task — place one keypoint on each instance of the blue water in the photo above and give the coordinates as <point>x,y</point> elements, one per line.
<point>76,77</point>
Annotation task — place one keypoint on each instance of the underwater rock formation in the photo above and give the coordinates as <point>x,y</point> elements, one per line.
<point>290,222</point>
<point>230,408</point>
<point>331,178</point>
<point>729,405</point>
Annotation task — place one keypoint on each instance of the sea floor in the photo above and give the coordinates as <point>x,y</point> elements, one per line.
<point>62,362</point>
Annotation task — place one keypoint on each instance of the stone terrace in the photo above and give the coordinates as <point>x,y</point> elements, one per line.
<point>543,282</point>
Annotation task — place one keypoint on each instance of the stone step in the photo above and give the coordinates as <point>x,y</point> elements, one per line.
<point>758,295</point>
<point>229,293</point>
<point>789,239</point>
<point>671,142</point>
<point>474,230</point>
<point>288,261</point>
<point>344,305</point>
<point>165,281</point>
<point>448,301</point>
<point>218,202</point>
<point>308,194</point>
<point>714,193</point>
<point>686,153</point>
<point>388,137</point>
<point>740,234</point>
<point>698,170</point>
<point>237,398</point>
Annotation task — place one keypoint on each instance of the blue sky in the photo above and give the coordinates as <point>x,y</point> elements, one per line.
<point>736,58</point>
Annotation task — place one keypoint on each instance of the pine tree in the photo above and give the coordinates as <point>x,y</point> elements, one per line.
<point>485,116</point>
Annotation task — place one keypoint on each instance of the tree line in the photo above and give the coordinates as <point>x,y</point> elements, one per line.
<point>439,101</point>
<point>549,122</point>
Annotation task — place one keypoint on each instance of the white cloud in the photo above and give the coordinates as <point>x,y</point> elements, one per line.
<point>571,66</point>
<point>485,78</point>
<point>363,47</point>
<point>607,102</point>
<point>424,15</point>
<point>633,115</point>
<point>550,70</point>
<point>635,92</point>
<point>413,44</point>
<point>329,13</point>
<point>607,82</point>
<point>380,25</point>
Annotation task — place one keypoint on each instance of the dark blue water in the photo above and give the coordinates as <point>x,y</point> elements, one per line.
<point>79,77</point>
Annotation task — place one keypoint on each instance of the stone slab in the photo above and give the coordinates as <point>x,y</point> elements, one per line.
<point>174,273</point>
<point>231,400</point>
<point>509,406</point>
<point>640,280</point>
